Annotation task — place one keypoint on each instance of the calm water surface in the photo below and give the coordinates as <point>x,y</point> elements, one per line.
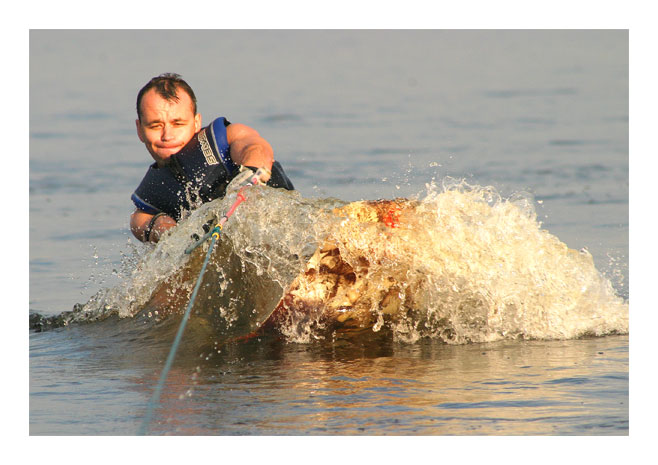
<point>351,115</point>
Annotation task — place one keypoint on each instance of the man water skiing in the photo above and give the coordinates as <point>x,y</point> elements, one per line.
<point>193,165</point>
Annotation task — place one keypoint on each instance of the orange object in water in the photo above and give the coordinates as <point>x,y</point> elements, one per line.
<point>392,217</point>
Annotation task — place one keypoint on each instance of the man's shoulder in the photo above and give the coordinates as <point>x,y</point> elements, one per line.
<point>239,130</point>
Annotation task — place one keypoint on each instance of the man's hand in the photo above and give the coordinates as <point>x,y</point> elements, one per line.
<point>260,175</point>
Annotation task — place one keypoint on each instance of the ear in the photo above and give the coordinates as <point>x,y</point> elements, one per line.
<point>197,122</point>
<point>140,133</point>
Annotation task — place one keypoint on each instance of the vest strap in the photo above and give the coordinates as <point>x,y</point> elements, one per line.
<point>220,140</point>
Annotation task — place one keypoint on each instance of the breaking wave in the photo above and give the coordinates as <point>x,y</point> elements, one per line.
<point>458,263</point>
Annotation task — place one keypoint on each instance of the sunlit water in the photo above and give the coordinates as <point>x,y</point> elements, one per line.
<point>501,339</point>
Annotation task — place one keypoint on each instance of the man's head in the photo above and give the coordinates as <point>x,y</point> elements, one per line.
<point>166,116</point>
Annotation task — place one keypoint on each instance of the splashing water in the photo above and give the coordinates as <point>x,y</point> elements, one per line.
<point>487,271</point>
<point>458,263</point>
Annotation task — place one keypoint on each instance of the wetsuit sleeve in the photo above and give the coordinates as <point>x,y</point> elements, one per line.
<point>143,205</point>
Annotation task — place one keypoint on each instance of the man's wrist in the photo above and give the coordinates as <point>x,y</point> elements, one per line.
<point>151,226</point>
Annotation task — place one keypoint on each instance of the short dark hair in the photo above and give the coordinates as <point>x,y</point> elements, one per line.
<point>166,85</point>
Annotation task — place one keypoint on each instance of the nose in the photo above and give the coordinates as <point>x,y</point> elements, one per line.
<point>167,132</point>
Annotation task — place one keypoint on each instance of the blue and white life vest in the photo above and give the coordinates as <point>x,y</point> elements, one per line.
<point>196,174</point>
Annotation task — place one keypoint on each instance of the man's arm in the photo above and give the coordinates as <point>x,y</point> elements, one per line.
<point>248,148</point>
<point>139,223</point>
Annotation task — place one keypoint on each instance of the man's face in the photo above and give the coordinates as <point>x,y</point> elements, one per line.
<point>166,126</point>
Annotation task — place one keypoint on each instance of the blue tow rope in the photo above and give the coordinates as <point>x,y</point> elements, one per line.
<point>179,335</point>
<point>253,179</point>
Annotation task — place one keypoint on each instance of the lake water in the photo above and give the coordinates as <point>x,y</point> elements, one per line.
<point>351,115</point>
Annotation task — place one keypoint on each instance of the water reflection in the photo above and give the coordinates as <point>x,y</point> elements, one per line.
<point>379,387</point>
<point>97,379</point>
